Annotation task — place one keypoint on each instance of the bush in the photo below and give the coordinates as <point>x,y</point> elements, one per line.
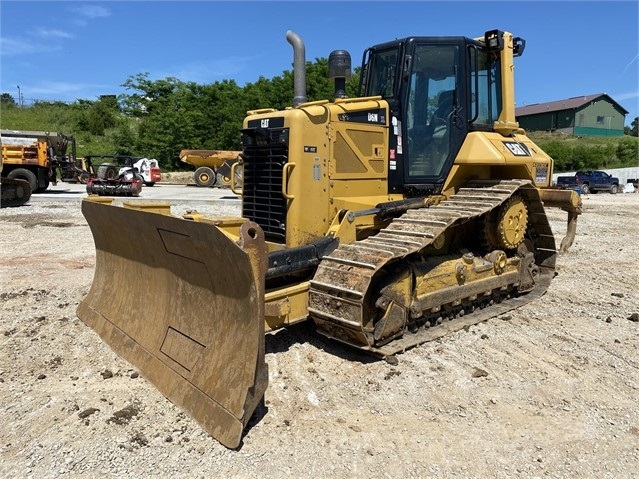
<point>628,151</point>
<point>560,152</point>
<point>572,153</point>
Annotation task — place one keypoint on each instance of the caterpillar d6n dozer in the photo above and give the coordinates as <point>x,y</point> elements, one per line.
<point>388,220</point>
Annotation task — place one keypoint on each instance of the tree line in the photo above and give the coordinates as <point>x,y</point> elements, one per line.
<point>159,118</point>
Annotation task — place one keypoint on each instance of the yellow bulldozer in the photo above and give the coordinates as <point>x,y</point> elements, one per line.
<point>389,219</point>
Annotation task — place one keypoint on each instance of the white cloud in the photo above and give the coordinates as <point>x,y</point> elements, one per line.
<point>630,63</point>
<point>92,11</point>
<point>59,89</point>
<point>89,12</point>
<point>42,32</point>
<point>205,72</point>
<point>10,46</point>
<point>64,91</point>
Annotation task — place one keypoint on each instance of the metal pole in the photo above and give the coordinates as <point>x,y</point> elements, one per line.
<point>19,96</point>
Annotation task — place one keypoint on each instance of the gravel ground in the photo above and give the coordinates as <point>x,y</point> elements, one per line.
<point>549,390</point>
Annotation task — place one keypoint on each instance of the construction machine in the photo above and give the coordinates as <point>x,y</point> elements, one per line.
<point>388,220</point>
<point>121,175</point>
<point>213,167</point>
<point>39,157</point>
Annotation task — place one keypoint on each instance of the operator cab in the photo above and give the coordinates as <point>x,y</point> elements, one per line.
<point>438,89</point>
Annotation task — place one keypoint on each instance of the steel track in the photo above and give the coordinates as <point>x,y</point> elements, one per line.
<point>341,284</point>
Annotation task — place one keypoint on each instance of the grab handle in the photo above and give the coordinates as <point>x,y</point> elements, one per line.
<point>285,173</point>
<point>233,182</point>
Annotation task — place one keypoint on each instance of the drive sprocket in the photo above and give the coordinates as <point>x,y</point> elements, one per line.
<point>506,226</point>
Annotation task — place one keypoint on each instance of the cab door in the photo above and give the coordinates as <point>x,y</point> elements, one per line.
<point>434,131</point>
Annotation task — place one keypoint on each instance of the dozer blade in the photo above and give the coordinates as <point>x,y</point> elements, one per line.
<point>185,305</point>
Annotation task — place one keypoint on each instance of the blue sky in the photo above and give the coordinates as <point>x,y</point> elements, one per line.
<point>65,50</point>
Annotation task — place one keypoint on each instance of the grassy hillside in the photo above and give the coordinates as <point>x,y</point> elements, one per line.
<point>61,118</point>
<point>541,137</point>
<point>588,152</point>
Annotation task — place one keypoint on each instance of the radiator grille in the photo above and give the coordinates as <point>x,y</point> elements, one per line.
<point>265,154</point>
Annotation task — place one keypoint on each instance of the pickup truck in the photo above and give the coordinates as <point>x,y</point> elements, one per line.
<point>589,181</point>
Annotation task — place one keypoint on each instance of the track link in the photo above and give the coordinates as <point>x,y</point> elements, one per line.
<point>340,287</point>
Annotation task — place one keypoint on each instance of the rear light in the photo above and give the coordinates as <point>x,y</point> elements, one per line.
<point>155,173</point>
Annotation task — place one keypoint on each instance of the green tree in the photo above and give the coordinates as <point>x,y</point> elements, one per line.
<point>258,95</point>
<point>560,153</point>
<point>318,85</point>
<point>352,84</point>
<point>124,139</point>
<point>628,151</point>
<point>96,117</point>
<point>110,102</point>
<point>166,115</point>
<point>7,99</point>
<point>148,95</point>
<point>221,121</point>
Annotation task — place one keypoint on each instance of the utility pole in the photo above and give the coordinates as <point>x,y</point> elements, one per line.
<point>19,97</point>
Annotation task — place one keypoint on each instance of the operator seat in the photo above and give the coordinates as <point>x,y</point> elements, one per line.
<point>440,116</point>
<point>429,145</point>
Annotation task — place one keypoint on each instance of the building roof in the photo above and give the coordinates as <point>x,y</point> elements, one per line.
<point>559,105</point>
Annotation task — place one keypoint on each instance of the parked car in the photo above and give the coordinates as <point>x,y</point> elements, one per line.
<point>590,181</point>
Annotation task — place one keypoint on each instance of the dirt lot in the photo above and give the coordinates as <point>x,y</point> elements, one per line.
<point>549,390</point>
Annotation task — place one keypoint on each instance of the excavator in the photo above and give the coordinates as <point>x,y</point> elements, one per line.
<point>415,209</point>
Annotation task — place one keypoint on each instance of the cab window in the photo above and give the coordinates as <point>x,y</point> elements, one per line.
<point>382,77</point>
<point>485,98</point>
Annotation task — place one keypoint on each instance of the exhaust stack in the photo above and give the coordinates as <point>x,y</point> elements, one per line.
<point>299,67</point>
